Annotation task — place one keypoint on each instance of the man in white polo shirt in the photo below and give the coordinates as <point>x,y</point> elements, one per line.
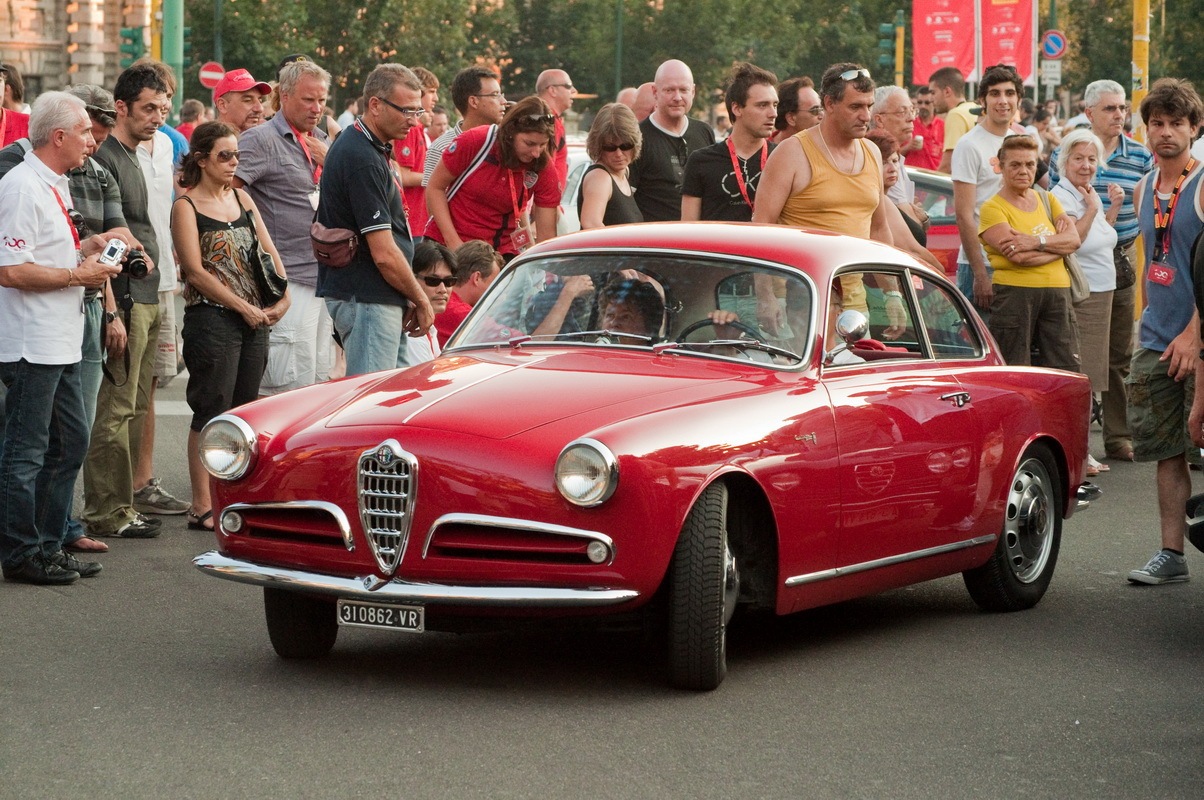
<point>43,273</point>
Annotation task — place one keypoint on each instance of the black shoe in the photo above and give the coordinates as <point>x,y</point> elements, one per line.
<point>86,569</point>
<point>140,527</point>
<point>38,570</point>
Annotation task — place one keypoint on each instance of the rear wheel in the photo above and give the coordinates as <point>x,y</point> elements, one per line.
<point>1019,571</point>
<point>703,587</point>
<point>299,626</point>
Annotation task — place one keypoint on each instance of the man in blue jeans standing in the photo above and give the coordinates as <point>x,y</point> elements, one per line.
<point>43,274</point>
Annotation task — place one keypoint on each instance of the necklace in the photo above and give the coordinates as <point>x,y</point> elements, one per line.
<point>832,158</point>
<point>125,149</point>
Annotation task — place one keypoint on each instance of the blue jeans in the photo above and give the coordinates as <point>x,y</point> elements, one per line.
<point>45,441</point>
<point>90,375</point>
<point>372,334</point>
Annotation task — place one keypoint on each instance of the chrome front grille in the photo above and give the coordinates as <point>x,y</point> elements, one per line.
<point>387,480</point>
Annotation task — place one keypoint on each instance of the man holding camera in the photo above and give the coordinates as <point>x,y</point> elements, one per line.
<point>44,270</point>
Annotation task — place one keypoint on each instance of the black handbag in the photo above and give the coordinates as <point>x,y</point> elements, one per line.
<point>270,283</point>
<point>1126,276</point>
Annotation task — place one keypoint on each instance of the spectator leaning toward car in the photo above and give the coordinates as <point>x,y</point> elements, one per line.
<point>238,98</point>
<point>606,196</point>
<point>375,300</point>
<point>435,268</point>
<point>931,130</point>
<point>488,176</point>
<point>410,156</point>
<point>225,319</point>
<point>1170,207</point>
<point>799,108</point>
<point>477,265</point>
<point>948,87</point>
<point>1125,162</point>
<point>192,113</point>
<point>1079,158</point>
<point>720,182</point>
<point>670,135</point>
<point>976,177</point>
<point>1031,305</point>
<point>477,95</point>
<point>45,268</point>
<point>907,233</point>
<point>280,165</point>
<point>14,125</point>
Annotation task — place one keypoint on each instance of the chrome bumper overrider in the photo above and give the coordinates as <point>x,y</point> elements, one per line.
<point>1087,492</point>
<point>373,588</point>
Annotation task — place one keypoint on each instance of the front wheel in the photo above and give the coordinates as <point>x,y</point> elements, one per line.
<point>703,587</point>
<point>1019,571</point>
<point>299,626</point>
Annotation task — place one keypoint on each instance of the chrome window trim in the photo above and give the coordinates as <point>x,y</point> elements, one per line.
<point>333,510</point>
<point>889,561</point>
<point>373,588</point>
<point>489,521</point>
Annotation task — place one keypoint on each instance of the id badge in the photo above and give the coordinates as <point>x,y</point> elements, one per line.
<point>1161,273</point>
<point>313,197</point>
<point>521,239</point>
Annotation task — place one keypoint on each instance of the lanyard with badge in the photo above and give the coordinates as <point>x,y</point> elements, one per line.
<point>521,236</point>
<point>1161,271</point>
<point>70,224</point>
<point>741,177</point>
<point>313,168</point>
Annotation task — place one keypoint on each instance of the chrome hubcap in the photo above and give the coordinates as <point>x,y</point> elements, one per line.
<point>1029,526</point>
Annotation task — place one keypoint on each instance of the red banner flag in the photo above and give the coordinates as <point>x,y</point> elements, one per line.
<point>942,36</point>
<point>1007,35</point>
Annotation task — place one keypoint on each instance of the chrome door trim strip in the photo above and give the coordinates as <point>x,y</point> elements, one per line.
<point>889,561</point>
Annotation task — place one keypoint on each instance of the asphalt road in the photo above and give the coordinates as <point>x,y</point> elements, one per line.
<point>152,680</point>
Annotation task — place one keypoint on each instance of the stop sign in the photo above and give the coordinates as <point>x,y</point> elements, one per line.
<point>211,73</point>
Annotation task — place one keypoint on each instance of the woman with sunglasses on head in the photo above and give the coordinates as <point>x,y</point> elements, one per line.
<point>489,175</point>
<point>614,142</point>
<point>225,321</point>
<point>435,268</point>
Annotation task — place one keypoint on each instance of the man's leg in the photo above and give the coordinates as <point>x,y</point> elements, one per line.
<point>372,334</point>
<point>291,353</point>
<point>90,375</point>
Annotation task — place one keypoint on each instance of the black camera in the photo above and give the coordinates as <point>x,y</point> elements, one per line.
<point>135,264</point>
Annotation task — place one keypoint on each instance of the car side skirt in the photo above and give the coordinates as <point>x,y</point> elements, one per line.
<point>376,589</point>
<point>889,561</point>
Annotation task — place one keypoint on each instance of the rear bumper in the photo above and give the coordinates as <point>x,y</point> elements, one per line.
<point>375,589</point>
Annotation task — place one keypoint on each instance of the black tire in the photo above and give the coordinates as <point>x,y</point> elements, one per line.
<point>299,626</point>
<point>1019,571</point>
<point>703,585</point>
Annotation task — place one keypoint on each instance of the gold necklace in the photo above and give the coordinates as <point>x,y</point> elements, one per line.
<point>832,158</point>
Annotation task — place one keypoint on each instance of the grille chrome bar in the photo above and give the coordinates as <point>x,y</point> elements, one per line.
<point>386,485</point>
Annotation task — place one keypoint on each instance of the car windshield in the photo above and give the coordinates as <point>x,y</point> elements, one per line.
<point>703,305</point>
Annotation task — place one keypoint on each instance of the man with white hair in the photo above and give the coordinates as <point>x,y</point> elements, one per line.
<point>894,113</point>
<point>1125,162</point>
<point>44,270</point>
<point>670,135</point>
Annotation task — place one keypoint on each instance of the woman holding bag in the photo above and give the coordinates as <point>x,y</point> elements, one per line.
<point>221,244</point>
<point>1078,161</point>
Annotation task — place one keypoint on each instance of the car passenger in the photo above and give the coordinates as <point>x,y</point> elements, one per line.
<point>631,306</point>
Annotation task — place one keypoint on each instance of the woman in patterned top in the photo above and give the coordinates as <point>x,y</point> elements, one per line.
<point>225,322</point>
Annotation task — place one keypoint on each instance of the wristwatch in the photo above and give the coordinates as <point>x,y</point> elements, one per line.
<point>110,316</point>
<point>1041,243</point>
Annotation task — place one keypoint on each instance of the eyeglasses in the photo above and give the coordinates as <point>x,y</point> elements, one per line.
<point>493,95</point>
<point>409,113</point>
<point>1113,109</point>
<point>907,112</point>
<point>816,111</point>
<point>225,155</point>
<point>432,281</point>
<point>610,148</point>
<point>852,74</point>
<point>568,86</point>
<point>538,117</point>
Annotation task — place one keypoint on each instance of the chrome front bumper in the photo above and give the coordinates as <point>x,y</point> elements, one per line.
<point>1087,492</point>
<point>375,589</point>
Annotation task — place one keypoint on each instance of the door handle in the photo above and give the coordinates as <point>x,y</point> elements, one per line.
<point>958,399</point>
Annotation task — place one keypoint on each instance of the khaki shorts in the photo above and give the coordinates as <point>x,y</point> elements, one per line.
<point>1158,409</point>
<point>167,353</point>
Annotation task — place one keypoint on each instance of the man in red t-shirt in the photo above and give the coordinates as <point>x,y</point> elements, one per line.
<point>410,153</point>
<point>477,264</point>
<point>931,127</point>
<point>13,124</point>
<point>555,87</point>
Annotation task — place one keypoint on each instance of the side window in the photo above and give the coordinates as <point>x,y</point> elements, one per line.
<point>944,319</point>
<point>883,298</point>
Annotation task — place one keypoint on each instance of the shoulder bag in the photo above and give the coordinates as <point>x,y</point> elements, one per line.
<point>270,283</point>
<point>1080,290</point>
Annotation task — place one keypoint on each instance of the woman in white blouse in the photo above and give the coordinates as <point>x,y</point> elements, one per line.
<point>1078,161</point>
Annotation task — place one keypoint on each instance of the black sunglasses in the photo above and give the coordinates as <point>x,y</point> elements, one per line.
<point>610,148</point>
<point>432,281</point>
<point>539,117</point>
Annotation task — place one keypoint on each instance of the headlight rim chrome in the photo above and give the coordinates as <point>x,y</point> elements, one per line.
<point>610,465</point>
<point>250,441</point>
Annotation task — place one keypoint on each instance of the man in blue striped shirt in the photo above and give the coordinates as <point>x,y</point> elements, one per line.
<point>1125,162</point>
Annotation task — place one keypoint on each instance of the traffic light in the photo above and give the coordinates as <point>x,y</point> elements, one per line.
<point>187,45</point>
<point>886,45</point>
<point>133,45</point>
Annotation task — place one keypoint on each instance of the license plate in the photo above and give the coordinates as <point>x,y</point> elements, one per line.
<point>381,615</point>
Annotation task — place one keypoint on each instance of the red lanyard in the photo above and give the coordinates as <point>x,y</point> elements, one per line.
<point>740,177</point>
<point>67,216</point>
<point>514,198</point>
<point>1162,220</point>
<point>300,137</point>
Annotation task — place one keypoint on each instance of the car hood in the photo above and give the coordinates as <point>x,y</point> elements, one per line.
<point>497,395</point>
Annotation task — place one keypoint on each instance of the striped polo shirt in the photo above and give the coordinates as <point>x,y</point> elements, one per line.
<point>1125,167</point>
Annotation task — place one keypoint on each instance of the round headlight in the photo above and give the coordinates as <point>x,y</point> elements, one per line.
<point>587,473</point>
<point>228,447</point>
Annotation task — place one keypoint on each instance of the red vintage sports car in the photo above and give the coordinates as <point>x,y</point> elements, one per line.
<point>658,423</point>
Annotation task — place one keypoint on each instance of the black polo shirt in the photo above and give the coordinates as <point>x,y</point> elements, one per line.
<point>360,193</point>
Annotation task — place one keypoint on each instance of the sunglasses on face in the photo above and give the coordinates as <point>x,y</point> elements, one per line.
<point>610,148</point>
<point>432,281</point>
<point>226,155</point>
<point>852,74</point>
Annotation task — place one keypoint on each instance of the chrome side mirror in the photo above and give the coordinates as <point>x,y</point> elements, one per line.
<point>851,326</point>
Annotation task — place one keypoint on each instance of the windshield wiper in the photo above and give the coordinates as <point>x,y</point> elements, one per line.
<point>743,344</point>
<point>552,337</point>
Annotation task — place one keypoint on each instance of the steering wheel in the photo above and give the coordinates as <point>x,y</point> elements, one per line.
<point>740,326</point>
